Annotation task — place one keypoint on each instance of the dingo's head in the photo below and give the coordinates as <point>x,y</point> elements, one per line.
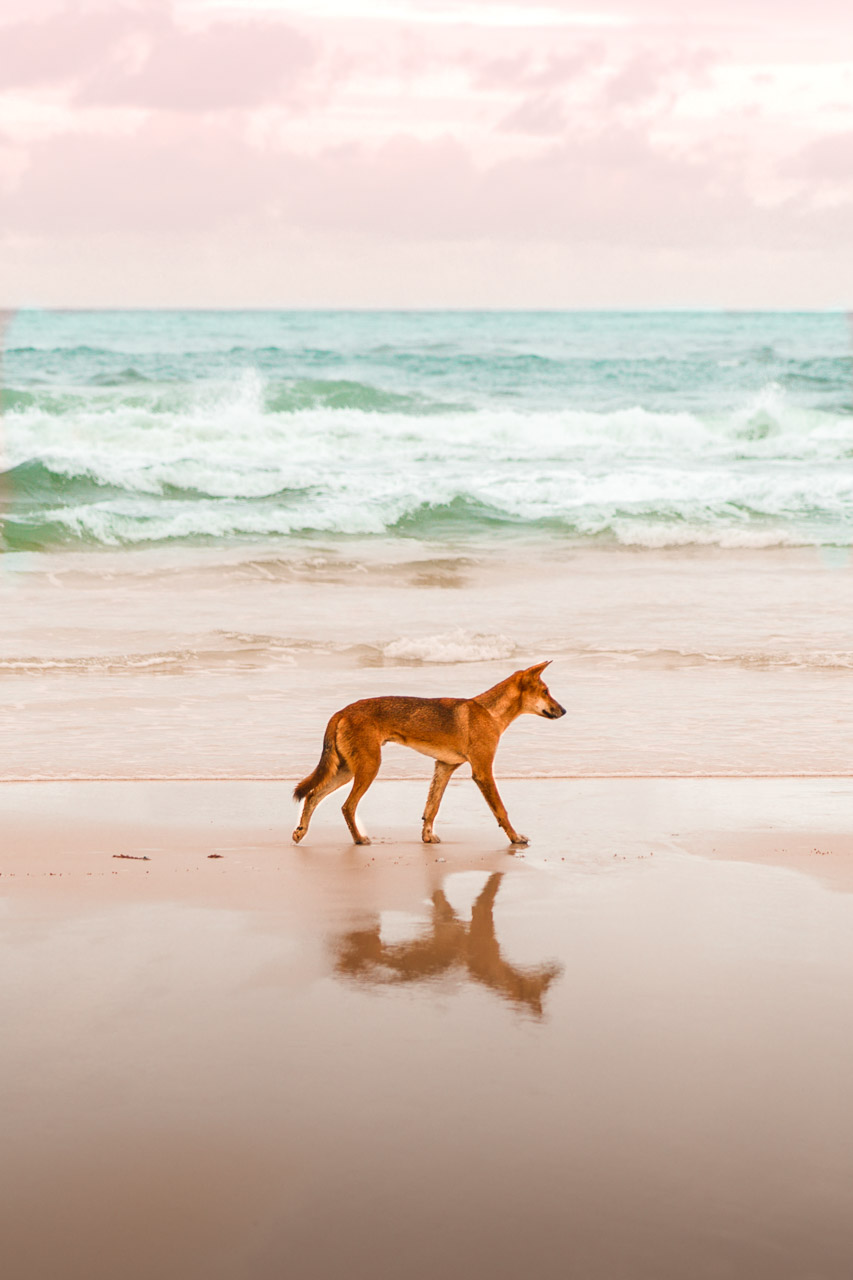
<point>536,698</point>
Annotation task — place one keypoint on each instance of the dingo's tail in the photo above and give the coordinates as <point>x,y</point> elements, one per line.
<point>330,763</point>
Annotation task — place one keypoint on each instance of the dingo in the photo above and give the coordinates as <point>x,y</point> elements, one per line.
<point>451,730</point>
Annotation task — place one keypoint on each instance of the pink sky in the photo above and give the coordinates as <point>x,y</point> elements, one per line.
<point>419,153</point>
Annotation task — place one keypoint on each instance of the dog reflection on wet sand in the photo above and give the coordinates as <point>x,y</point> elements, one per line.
<point>451,944</point>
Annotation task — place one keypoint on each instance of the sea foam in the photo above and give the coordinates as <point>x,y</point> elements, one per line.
<point>449,647</point>
<point>252,457</point>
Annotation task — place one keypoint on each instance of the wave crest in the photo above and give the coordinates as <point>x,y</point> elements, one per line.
<point>449,647</point>
<point>223,464</point>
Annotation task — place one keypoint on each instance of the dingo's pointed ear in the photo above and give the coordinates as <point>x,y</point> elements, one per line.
<point>539,668</point>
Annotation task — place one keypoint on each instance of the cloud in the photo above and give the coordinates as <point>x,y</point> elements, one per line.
<point>175,176</point>
<point>607,83</point>
<point>825,160</point>
<point>64,47</point>
<point>657,11</point>
<point>652,72</point>
<point>142,57</point>
<point>159,119</point>
<point>226,65</point>
<point>616,187</point>
<point>526,71</point>
<point>539,115</point>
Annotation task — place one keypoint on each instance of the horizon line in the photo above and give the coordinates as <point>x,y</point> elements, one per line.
<point>354,309</point>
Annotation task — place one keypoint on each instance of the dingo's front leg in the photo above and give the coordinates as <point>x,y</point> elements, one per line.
<point>486,782</point>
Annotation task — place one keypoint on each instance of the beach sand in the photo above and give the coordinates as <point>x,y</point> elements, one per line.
<point>623,1054</point>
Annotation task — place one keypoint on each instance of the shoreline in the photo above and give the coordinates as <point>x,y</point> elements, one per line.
<point>11,780</point>
<point>800,824</point>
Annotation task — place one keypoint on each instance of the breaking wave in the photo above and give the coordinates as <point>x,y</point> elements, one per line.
<point>248,460</point>
<point>234,651</point>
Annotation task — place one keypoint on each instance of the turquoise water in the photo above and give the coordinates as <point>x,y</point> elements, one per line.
<point>130,428</point>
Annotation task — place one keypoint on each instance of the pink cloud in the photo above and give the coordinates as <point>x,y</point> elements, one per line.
<point>407,188</point>
<point>677,12</point>
<point>541,114</point>
<point>142,57</point>
<point>828,159</point>
<point>651,72</point>
<point>525,71</point>
<point>169,176</point>
<point>503,137</point>
<point>612,187</point>
<point>64,47</point>
<point>615,81</point>
<point>226,65</point>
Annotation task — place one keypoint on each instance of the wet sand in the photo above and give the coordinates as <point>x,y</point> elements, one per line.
<point>625,1053</point>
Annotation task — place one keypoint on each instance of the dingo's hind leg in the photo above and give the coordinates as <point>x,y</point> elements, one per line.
<point>440,779</point>
<point>364,768</point>
<point>338,779</point>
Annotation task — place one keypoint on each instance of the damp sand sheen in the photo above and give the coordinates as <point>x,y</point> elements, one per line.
<point>624,1052</point>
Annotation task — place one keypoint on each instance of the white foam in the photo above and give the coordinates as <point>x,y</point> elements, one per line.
<point>449,647</point>
<point>766,474</point>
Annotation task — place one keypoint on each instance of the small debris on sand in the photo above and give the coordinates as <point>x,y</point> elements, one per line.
<point>133,857</point>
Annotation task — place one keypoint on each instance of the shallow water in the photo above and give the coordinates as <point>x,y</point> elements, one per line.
<point>193,663</point>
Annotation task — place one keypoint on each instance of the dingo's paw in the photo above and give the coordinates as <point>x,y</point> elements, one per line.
<point>429,837</point>
<point>298,834</point>
<point>517,839</point>
<point>363,840</point>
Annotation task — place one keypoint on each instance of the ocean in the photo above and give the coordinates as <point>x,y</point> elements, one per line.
<point>218,527</point>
